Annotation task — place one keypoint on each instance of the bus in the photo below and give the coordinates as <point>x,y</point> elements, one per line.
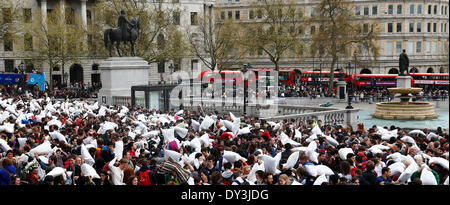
<point>311,77</point>
<point>235,77</point>
<point>436,80</point>
<point>378,80</point>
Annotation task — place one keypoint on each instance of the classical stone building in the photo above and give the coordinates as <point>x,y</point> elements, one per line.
<point>419,26</point>
<point>87,71</point>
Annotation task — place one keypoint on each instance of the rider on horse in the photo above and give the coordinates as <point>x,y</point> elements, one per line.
<point>124,25</point>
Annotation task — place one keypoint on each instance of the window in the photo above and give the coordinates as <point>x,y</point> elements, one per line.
<point>95,67</point>
<point>442,10</point>
<point>7,18</point>
<point>374,10</point>
<point>230,15</point>
<point>251,14</point>
<point>429,9</point>
<point>390,48</point>
<point>419,27</point>
<point>411,27</point>
<point>410,47</point>
<point>259,13</point>
<point>428,47</point>
<point>312,11</point>
<point>434,27</point>
<point>418,46</point>
<point>435,9</point>
<point>358,12</point>
<point>237,15</point>
<point>28,42</point>
<point>399,9</point>
<point>176,18</point>
<point>313,30</point>
<point>442,27</point>
<point>419,9</point>
<point>9,66</point>
<point>391,9</point>
<point>366,10</point>
<point>193,18</point>
<point>27,15</point>
<point>398,47</point>
<point>222,15</point>
<point>365,28</point>
<point>445,28</point>
<point>433,46</point>
<point>390,28</point>
<point>429,27</point>
<point>399,27</point>
<point>411,9</point>
<point>8,44</point>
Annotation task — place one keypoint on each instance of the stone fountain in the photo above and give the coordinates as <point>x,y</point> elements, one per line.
<point>405,110</point>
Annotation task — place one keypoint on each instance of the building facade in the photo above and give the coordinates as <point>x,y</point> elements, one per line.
<point>421,27</point>
<point>88,70</point>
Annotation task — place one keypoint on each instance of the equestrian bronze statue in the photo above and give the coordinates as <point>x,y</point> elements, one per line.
<point>127,32</point>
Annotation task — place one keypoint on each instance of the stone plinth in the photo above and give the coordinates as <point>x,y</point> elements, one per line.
<point>403,81</point>
<point>118,74</point>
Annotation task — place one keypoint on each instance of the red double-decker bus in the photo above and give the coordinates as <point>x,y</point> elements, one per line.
<point>311,77</point>
<point>438,80</point>
<point>380,80</point>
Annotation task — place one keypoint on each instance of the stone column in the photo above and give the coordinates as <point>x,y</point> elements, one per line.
<point>84,13</point>
<point>44,11</point>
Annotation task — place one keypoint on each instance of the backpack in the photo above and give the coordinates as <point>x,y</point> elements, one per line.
<point>144,178</point>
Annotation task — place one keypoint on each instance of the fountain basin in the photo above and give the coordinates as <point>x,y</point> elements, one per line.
<point>408,111</point>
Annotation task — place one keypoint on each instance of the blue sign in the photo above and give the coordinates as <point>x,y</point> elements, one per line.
<point>31,79</point>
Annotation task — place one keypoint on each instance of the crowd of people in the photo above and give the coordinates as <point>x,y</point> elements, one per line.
<point>48,142</point>
<point>360,94</point>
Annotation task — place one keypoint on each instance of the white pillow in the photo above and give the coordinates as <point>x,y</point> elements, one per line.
<point>343,152</point>
<point>206,123</point>
<point>397,157</point>
<point>324,170</point>
<point>172,154</point>
<point>152,133</point>
<point>236,125</point>
<point>298,134</point>
<point>58,135</point>
<point>427,177</point>
<point>196,144</point>
<point>441,161</point>
<point>295,182</point>
<point>232,156</point>
<point>87,157</point>
<point>295,149</point>
<point>182,132</point>
<point>118,149</point>
<point>397,168</point>
<point>233,117</point>
<point>331,141</point>
<point>408,139</point>
<point>88,170</point>
<point>292,160</point>
<point>417,131</point>
<point>4,145</point>
<point>22,142</point>
<point>7,127</point>
<point>57,171</point>
<point>270,164</point>
<point>446,181</point>
<point>321,179</point>
<point>205,140</point>
<point>195,125</point>
<point>43,159</point>
<point>43,148</point>
<point>285,139</point>
<point>406,175</point>
<point>316,130</point>
<point>431,136</point>
<point>244,131</point>
<point>312,170</point>
<point>168,134</point>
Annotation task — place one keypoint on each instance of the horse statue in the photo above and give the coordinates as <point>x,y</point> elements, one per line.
<point>116,35</point>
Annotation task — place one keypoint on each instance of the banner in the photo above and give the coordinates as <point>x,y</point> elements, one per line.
<point>31,79</point>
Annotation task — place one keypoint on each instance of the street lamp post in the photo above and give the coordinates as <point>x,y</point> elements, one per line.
<point>349,86</point>
<point>244,72</point>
